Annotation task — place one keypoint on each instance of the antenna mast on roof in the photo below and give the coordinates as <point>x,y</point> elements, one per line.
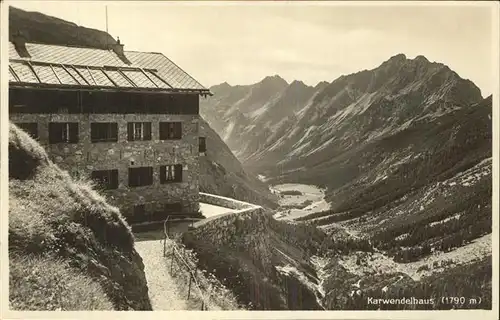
<point>106,19</point>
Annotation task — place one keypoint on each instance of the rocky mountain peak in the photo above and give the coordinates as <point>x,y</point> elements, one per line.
<point>421,58</point>
<point>275,81</point>
<point>297,83</point>
<point>398,58</point>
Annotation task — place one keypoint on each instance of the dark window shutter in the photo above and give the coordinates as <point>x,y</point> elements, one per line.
<point>94,127</point>
<point>179,130</point>
<point>202,144</point>
<point>130,130</point>
<point>73,132</point>
<point>34,130</point>
<point>54,133</point>
<point>114,131</point>
<point>163,171</point>
<point>131,180</point>
<point>150,175</point>
<point>178,172</point>
<point>114,179</point>
<point>147,130</point>
<point>162,130</point>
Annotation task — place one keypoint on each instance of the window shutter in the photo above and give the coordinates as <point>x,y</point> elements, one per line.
<point>114,131</point>
<point>150,175</point>
<point>54,136</point>
<point>163,171</point>
<point>179,130</point>
<point>114,179</point>
<point>73,132</point>
<point>93,132</point>
<point>178,172</point>
<point>131,177</point>
<point>147,130</point>
<point>162,131</point>
<point>130,131</point>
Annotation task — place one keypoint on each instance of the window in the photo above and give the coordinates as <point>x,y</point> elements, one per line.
<point>139,213</point>
<point>175,207</point>
<point>104,132</point>
<point>171,173</point>
<point>138,177</point>
<point>170,130</point>
<point>60,132</point>
<point>138,131</point>
<point>202,144</point>
<point>30,128</point>
<point>107,179</point>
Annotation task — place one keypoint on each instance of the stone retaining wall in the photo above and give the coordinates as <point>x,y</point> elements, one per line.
<point>225,202</point>
<point>241,210</point>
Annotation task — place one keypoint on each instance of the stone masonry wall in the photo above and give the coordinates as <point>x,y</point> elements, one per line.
<point>222,229</point>
<point>84,157</point>
<point>224,202</point>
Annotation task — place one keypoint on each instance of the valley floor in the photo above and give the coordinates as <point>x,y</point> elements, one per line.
<point>310,200</point>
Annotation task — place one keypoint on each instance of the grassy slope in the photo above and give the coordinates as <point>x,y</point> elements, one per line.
<point>68,249</point>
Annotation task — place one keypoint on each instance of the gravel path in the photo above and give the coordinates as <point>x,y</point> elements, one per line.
<point>163,291</point>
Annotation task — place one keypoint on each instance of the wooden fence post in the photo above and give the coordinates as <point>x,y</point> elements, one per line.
<point>172,261</point>
<point>164,247</point>
<point>189,288</point>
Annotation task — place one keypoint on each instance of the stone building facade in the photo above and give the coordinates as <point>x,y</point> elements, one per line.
<point>132,126</point>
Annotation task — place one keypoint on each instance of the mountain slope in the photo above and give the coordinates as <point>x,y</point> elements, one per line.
<point>350,127</point>
<point>38,27</point>
<point>405,154</point>
<point>221,172</point>
<point>248,117</point>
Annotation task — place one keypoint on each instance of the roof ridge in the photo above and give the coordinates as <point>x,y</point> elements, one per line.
<point>143,51</point>
<point>64,46</point>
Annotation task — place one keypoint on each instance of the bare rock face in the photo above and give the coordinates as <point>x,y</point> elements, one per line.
<point>60,219</point>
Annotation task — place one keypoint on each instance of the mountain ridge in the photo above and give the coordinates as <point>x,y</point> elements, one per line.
<point>361,134</point>
<point>348,89</point>
<point>404,154</point>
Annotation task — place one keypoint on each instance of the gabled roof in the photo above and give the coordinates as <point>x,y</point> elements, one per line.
<point>63,66</point>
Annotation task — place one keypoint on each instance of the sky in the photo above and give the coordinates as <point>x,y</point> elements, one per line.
<point>241,43</point>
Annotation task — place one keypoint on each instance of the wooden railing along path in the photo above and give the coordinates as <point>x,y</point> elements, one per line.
<point>178,257</point>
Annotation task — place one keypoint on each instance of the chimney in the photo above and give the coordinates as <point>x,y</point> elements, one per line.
<point>118,50</point>
<point>19,41</point>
